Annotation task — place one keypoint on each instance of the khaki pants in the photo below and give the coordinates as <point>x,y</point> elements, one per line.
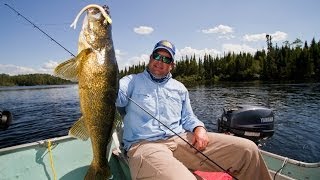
<point>173,158</point>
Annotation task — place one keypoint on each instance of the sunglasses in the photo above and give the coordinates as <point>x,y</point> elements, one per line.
<point>159,57</point>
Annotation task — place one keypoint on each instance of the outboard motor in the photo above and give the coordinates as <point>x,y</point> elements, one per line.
<point>251,122</point>
<point>5,119</point>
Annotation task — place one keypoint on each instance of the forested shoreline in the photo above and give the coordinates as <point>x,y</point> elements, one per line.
<point>296,61</point>
<point>31,80</point>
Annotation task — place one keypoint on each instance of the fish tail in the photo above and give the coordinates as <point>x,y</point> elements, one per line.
<point>98,172</point>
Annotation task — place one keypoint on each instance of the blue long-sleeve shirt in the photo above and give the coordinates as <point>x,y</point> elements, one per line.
<point>167,101</point>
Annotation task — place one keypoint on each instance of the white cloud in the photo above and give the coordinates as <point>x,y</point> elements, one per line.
<point>46,68</point>
<point>49,66</point>
<point>15,70</point>
<point>198,53</point>
<point>118,52</point>
<point>277,36</point>
<point>143,30</point>
<point>119,55</point>
<point>254,37</point>
<point>123,61</point>
<point>221,29</point>
<point>135,61</point>
<point>237,48</point>
<point>228,36</point>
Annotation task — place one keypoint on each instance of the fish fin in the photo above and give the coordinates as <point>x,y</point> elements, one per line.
<point>70,68</point>
<point>98,172</point>
<point>79,130</point>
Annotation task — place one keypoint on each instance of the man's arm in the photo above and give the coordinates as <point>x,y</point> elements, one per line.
<point>193,124</point>
<point>188,119</point>
<point>124,91</point>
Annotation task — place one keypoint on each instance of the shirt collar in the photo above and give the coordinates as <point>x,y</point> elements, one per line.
<point>159,80</point>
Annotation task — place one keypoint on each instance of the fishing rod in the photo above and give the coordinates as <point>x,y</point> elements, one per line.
<point>226,171</point>
<point>35,26</point>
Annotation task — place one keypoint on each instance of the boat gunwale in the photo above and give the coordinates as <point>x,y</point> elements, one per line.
<point>43,143</point>
<point>291,161</point>
<point>40,143</point>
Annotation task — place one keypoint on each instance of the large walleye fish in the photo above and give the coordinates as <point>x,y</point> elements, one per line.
<point>96,70</point>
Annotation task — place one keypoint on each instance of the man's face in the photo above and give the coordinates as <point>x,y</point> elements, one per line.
<point>159,68</point>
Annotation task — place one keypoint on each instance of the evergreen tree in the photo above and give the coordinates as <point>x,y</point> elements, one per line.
<point>315,57</point>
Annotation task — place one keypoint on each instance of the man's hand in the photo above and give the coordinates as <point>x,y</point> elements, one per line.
<point>200,138</point>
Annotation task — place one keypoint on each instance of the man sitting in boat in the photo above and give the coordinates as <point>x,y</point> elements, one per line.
<point>163,137</point>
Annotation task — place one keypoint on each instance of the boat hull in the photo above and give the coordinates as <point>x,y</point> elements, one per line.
<point>70,158</point>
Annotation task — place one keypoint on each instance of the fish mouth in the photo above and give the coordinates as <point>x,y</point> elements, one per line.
<point>94,10</point>
<point>97,13</point>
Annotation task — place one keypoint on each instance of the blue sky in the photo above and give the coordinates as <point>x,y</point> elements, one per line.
<point>195,27</point>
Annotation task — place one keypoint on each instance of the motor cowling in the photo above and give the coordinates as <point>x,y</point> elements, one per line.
<point>251,122</point>
<point>5,119</point>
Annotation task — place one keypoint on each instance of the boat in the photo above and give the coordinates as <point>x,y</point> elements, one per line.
<point>67,158</point>
<point>64,158</point>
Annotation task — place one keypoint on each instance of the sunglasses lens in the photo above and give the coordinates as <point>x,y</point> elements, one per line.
<point>159,57</point>
<point>156,56</point>
<point>166,60</point>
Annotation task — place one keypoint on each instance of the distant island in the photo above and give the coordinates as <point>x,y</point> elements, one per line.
<point>31,80</point>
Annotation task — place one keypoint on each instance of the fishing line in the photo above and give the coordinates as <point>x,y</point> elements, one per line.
<point>19,14</point>
<point>226,171</point>
<point>35,26</point>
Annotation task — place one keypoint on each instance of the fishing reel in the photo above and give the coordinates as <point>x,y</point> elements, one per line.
<point>5,119</point>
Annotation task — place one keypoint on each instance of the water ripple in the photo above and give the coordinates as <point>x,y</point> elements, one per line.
<point>49,111</point>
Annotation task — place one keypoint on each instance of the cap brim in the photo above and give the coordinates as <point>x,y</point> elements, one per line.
<point>164,47</point>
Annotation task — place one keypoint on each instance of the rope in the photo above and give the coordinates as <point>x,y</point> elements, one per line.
<point>51,160</point>
<point>282,166</point>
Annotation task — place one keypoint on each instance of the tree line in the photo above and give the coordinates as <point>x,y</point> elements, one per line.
<point>31,80</point>
<point>296,61</point>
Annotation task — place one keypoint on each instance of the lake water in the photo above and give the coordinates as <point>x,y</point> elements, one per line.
<point>42,112</point>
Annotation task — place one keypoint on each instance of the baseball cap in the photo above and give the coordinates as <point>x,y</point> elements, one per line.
<point>167,45</point>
